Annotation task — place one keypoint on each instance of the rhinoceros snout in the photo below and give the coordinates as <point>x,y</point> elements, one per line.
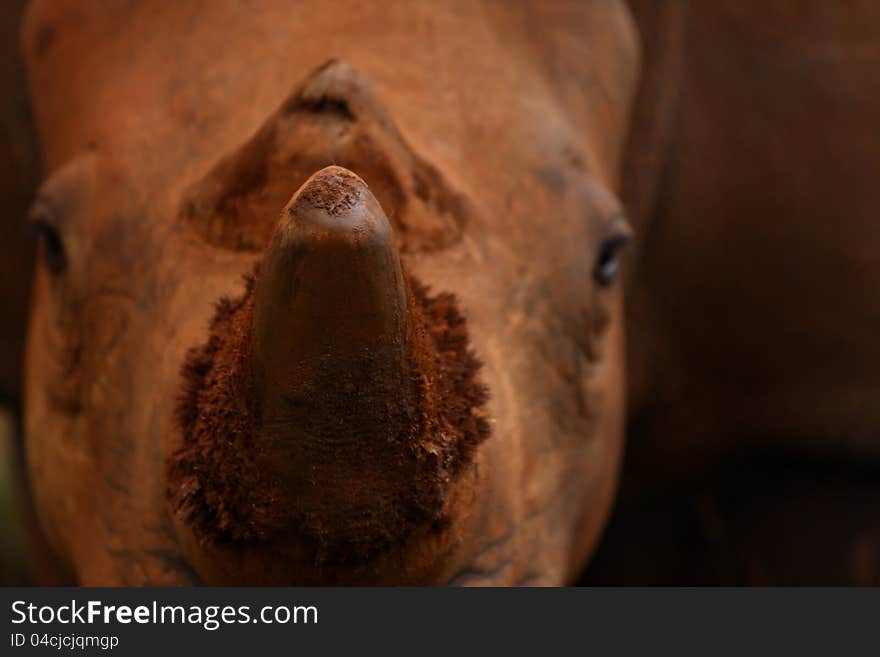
<point>336,402</point>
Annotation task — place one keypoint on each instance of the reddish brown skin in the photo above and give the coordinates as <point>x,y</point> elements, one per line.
<point>174,133</point>
<point>754,306</point>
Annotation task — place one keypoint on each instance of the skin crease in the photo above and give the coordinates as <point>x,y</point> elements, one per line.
<point>521,108</point>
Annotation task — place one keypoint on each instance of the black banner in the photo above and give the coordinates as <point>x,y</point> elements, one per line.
<point>435,621</point>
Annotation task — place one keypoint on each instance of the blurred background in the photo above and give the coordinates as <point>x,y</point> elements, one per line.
<point>19,177</point>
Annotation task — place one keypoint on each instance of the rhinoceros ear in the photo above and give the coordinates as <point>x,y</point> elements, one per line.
<point>335,403</point>
<point>333,118</point>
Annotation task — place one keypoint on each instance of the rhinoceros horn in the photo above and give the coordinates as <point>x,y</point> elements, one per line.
<point>340,400</point>
<point>336,375</point>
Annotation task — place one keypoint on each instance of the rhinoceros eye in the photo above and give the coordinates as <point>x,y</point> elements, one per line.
<point>608,260</point>
<point>50,243</point>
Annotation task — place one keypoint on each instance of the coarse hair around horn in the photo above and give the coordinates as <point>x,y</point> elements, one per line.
<point>337,400</point>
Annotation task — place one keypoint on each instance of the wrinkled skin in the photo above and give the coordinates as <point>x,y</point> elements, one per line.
<point>521,109</point>
<point>754,305</point>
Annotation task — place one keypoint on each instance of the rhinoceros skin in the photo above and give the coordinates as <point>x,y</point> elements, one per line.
<point>491,135</point>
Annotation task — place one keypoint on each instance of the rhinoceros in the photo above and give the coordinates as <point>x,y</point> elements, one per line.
<point>332,297</point>
<point>327,294</point>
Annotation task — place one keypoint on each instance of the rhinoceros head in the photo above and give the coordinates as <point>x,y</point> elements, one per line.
<point>377,340</point>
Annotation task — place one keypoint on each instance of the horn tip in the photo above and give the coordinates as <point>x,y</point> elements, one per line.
<point>335,203</point>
